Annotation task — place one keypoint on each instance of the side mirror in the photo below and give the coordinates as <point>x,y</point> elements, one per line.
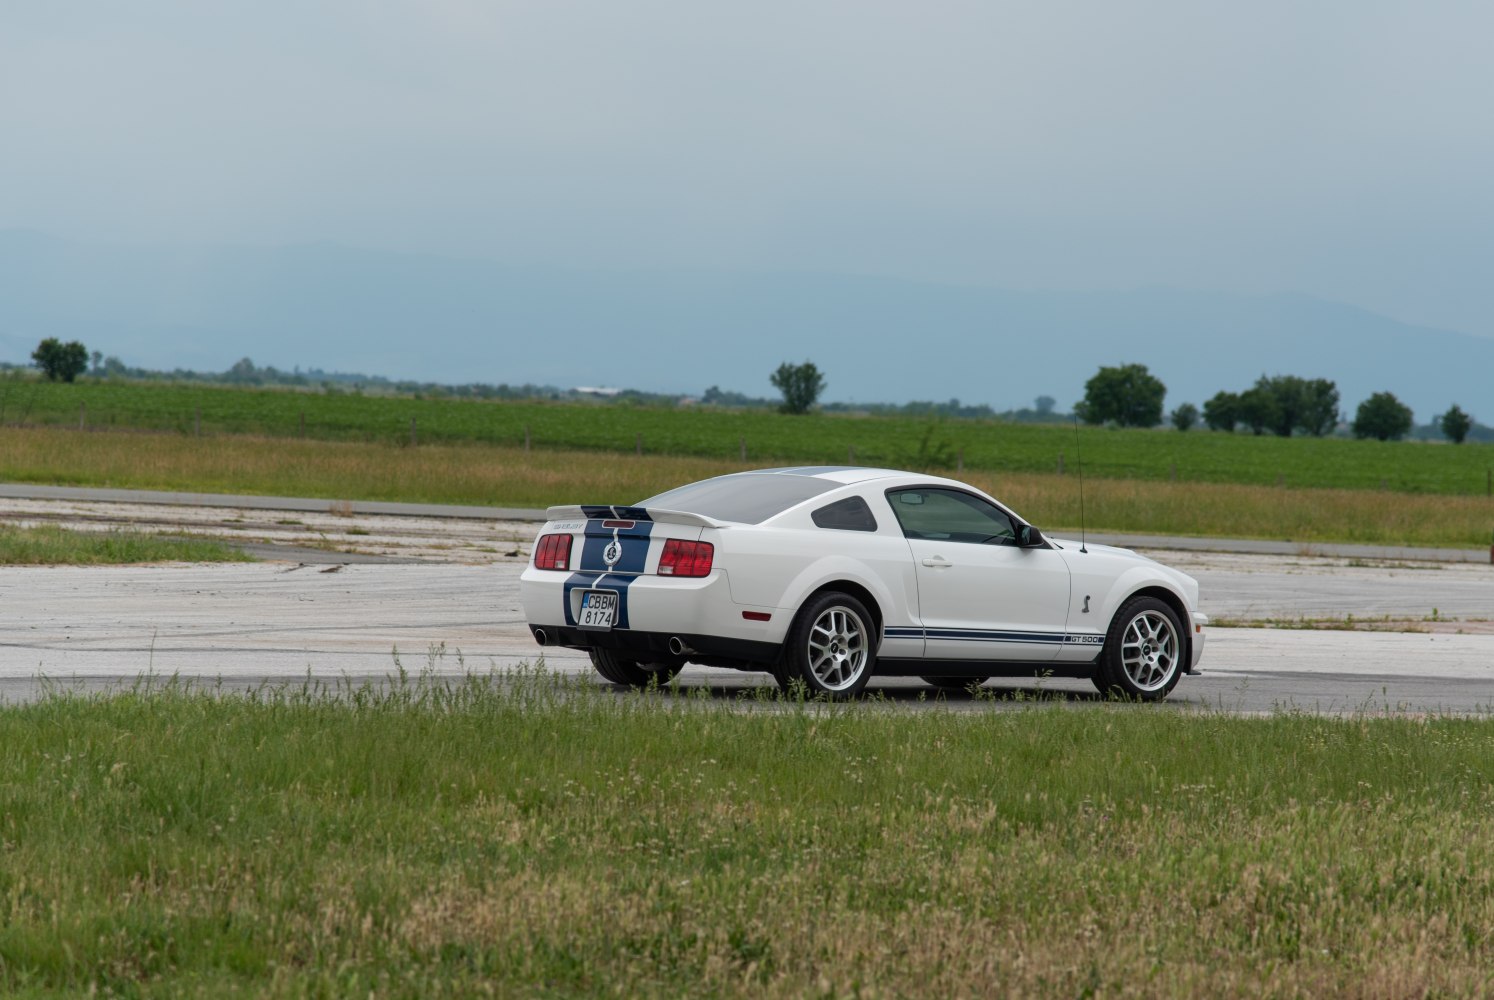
<point>1029,537</point>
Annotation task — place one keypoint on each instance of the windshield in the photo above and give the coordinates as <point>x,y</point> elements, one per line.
<point>747,497</point>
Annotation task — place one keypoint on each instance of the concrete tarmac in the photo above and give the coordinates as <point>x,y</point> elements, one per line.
<point>246,624</point>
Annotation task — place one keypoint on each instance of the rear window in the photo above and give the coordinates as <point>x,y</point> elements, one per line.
<point>850,514</point>
<point>749,498</point>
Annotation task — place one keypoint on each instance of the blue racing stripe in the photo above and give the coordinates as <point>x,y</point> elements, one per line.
<point>979,635</point>
<point>593,571</point>
<point>994,635</point>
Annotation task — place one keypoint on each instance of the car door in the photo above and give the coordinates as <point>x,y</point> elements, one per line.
<point>980,596</point>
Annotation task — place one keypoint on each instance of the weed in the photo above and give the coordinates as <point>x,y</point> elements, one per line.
<point>48,545</point>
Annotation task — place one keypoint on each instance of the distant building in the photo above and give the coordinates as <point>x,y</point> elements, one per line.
<point>600,393</point>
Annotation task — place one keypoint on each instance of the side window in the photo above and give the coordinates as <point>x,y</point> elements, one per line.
<point>850,514</point>
<point>949,515</point>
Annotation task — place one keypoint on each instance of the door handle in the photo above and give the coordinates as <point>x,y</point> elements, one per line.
<point>937,562</point>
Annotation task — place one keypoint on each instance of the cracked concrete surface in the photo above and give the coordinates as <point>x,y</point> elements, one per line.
<point>448,601</point>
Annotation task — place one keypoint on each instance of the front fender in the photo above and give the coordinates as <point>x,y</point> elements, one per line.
<point>1105,580</point>
<point>1133,582</point>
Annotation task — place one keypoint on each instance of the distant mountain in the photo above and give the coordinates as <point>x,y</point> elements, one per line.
<point>877,339</point>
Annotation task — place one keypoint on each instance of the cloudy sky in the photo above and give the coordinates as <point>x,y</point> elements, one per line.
<point>1342,149</point>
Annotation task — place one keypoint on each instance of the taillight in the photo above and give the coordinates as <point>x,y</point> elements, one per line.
<point>553,552</point>
<point>682,558</point>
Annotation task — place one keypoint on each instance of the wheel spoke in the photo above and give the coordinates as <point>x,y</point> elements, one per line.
<point>837,648</point>
<point>1149,650</point>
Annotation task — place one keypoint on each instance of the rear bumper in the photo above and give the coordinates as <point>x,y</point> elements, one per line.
<point>699,612</point>
<point>651,647</point>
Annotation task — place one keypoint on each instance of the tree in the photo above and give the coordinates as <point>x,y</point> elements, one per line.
<point>1128,395</point>
<point>1382,417</point>
<point>1259,409</point>
<point>1044,405</point>
<point>59,361</point>
<point>1185,416</point>
<point>801,385</point>
<point>1455,424</point>
<point>1222,411</point>
<point>1318,414</point>
<point>1300,404</point>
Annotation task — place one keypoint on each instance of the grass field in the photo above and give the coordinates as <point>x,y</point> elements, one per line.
<point>1002,448</point>
<point>549,839</point>
<point>497,476</point>
<point>46,545</point>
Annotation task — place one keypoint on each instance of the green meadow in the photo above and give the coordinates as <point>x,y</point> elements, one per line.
<point>764,437</point>
<point>493,475</point>
<point>530,836</point>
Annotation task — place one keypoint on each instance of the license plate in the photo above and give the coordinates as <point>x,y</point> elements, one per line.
<point>598,609</point>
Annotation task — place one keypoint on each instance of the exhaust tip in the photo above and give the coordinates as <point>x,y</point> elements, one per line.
<point>677,646</point>
<point>539,636</point>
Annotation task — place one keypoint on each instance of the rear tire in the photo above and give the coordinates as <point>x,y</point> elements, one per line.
<point>630,673</point>
<point>1143,655</point>
<point>831,647</point>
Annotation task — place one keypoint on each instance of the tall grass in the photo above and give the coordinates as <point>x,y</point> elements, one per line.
<point>47,545</point>
<point>487,475</point>
<point>768,437</point>
<point>538,837</point>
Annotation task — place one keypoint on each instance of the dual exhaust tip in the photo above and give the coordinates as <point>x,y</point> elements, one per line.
<point>677,646</point>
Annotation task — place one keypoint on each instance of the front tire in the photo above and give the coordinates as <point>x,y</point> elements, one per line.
<point>1143,654</point>
<point>831,648</point>
<point>630,673</point>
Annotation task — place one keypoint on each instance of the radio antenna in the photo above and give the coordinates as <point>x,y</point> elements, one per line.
<point>1079,461</point>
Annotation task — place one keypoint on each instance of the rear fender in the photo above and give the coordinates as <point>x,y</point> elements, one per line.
<point>825,573</point>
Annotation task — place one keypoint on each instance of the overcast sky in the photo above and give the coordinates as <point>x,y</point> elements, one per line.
<point>1344,150</point>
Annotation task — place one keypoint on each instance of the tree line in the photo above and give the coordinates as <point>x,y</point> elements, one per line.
<point>1127,395</point>
<point>1131,396</point>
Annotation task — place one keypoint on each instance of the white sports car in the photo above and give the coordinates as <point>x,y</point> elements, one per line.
<point>829,575</point>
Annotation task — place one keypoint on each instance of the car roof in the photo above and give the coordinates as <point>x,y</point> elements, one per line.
<point>846,475</point>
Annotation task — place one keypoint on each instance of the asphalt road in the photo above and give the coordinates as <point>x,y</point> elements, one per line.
<point>245,624</point>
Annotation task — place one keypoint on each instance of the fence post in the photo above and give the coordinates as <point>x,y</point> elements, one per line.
<point>742,446</point>
<point>638,444</point>
<point>1060,463</point>
<point>526,439</point>
<point>197,422</point>
<point>960,462</point>
<point>1489,482</point>
<point>850,454</point>
<point>82,416</point>
<point>1173,472</point>
<point>412,432</point>
<point>303,423</point>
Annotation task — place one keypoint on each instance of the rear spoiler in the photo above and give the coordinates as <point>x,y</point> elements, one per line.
<point>592,513</point>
